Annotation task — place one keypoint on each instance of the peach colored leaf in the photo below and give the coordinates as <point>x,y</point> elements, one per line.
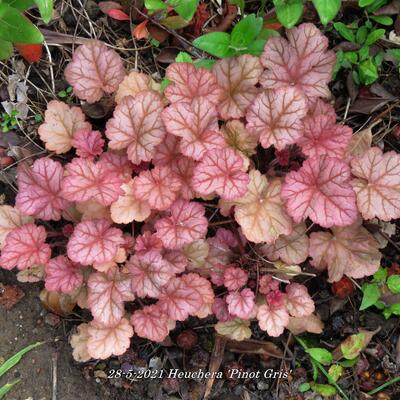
<point>302,61</point>
<point>107,293</point>
<point>150,323</point>
<point>235,278</point>
<point>298,301</point>
<point>236,329</point>
<point>60,124</point>
<point>39,189</point>
<point>276,117</point>
<point>87,180</point>
<point>148,241</point>
<point>128,207</point>
<point>292,249</point>
<point>91,209</point>
<point>179,300</point>
<point>321,190</point>
<point>94,70</point>
<point>189,82</point>
<point>239,138</point>
<point>268,284</point>
<point>204,288</point>
<point>105,341</point>
<point>321,136</point>
<point>241,304</point>
<point>133,84</point>
<point>312,323</point>
<point>272,319</point>
<point>11,218</point>
<point>62,275</point>
<point>261,213</point>
<point>88,143</point>
<point>78,342</point>
<point>94,241</point>
<point>238,78</point>
<point>136,126</point>
<point>186,224</point>
<point>168,151</point>
<point>197,124</point>
<point>350,251</point>
<point>221,171</point>
<point>24,247</point>
<point>196,253</point>
<point>377,184</point>
<point>158,187</point>
<point>149,272</point>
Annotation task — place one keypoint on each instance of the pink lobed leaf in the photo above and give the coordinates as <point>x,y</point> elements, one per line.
<point>220,310</point>
<point>227,237</point>
<point>147,242</point>
<point>94,241</point>
<point>221,171</point>
<point>377,184</point>
<point>176,260</point>
<point>39,189</point>
<point>136,126</point>
<point>302,61</point>
<point>107,293</point>
<point>24,247</point>
<point>273,319</point>
<point>276,117</point>
<point>117,164</point>
<point>241,304</point>
<point>238,78</point>
<point>184,169</point>
<point>168,151</point>
<point>11,218</point>
<point>321,190</point>
<point>150,323</point>
<point>186,224</point>
<point>62,275</point>
<point>235,278</point>
<point>268,284</point>
<point>88,143</point>
<point>133,84</point>
<point>298,301</point>
<point>94,70</point>
<point>189,82</point>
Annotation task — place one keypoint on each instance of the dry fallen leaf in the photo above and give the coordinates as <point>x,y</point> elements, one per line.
<point>10,295</point>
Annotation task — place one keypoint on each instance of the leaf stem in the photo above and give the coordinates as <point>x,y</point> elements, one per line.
<point>383,386</point>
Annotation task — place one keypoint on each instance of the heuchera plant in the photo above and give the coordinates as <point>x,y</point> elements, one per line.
<point>134,205</point>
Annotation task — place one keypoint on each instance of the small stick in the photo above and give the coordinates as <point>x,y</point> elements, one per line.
<point>54,359</point>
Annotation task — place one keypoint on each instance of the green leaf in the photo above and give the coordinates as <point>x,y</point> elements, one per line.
<point>215,43</point>
<point>368,72</point>
<point>387,312</point>
<point>380,275</point>
<point>361,34</point>
<point>20,5</point>
<point>364,3</point>
<point>267,33</point>
<point>376,5</point>
<point>205,63</point>
<point>6,49</point>
<point>239,3</point>
<point>288,12</point>
<point>315,369</point>
<point>363,53</point>
<point>351,56</point>
<point>304,387</point>
<point>349,363</point>
<point>174,22</point>
<point>395,309</point>
<point>321,355</point>
<point>374,36</point>
<point>378,59</point>
<point>155,5</point>
<point>395,53</point>
<point>393,283</point>
<point>245,31</point>
<point>335,372</point>
<point>7,387</point>
<point>324,390</point>
<point>327,9</point>
<point>344,31</point>
<point>352,346</point>
<point>183,57</point>
<point>256,48</point>
<point>382,19</point>
<point>45,8</point>
<point>187,8</point>
<point>371,294</point>
<point>164,83</point>
<point>16,28</point>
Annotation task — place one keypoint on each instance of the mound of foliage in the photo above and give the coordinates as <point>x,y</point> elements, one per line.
<point>251,144</point>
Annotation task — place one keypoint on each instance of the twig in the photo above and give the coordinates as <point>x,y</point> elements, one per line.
<point>54,359</point>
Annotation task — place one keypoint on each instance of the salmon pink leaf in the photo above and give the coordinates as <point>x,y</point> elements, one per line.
<point>177,260</point>
<point>184,169</point>
<point>321,136</point>
<point>158,187</point>
<point>89,180</point>
<point>197,124</point>
<point>235,278</point>
<point>136,126</point>
<point>220,309</point>
<point>204,288</point>
<point>150,323</point>
<point>238,78</point>
<point>24,247</point>
<point>105,341</point>
<point>11,218</point>
<point>88,143</point>
<point>189,82</point>
<point>276,117</point>
<point>261,213</point>
<point>273,319</point>
<point>39,189</point>
<point>149,273</point>
<point>117,164</point>
<point>148,241</point>
<point>94,70</point>
<point>227,237</point>
<point>221,171</point>
<point>168,151</point>
<point>321,190</point>
<point>239,138</point>
<point>107,293</point>
<point>298,301</point>
<point>302,61</point>
<point>377,184</point>
<point>186,224</point>
<point>133,84</point>
<point>350,251</point>
<point>268,284</point>
<point>62,275</point>
<point>60,124</point>
<point>241,304</point>
<point>94,241</point>
<point>179,300</point>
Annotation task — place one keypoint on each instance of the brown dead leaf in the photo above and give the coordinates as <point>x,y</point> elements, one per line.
<point>10,295</point>
<point>215,362</point>
<point>361,141</point>
<point>251,346</point>
<point>60,304</point>
<point>311,323</point>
